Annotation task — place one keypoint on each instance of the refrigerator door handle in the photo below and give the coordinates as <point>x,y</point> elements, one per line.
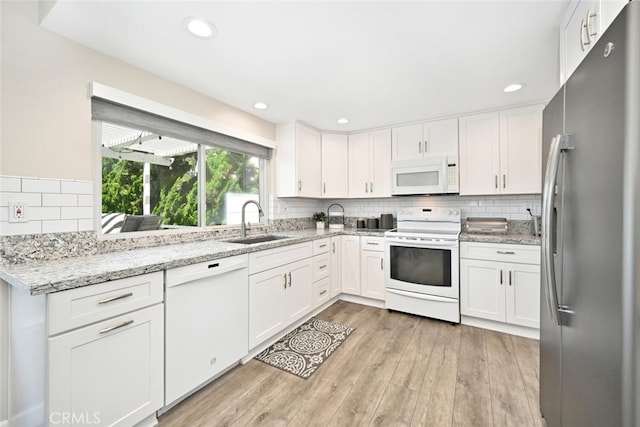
<point>560,142</point>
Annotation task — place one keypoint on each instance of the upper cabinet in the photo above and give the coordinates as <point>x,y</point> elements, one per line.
<point>370,164</point>
<point>583,24</point>
<point>419,140</point>
<point>298,171</point>
<point>335,166</point>
<point>500,152</point>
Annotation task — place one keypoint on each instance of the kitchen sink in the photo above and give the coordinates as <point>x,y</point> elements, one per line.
<point>258,239</point>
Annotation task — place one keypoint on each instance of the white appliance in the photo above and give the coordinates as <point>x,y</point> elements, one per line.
<point>206,323</point>
<point>422,274</point>
<point>430,175</point>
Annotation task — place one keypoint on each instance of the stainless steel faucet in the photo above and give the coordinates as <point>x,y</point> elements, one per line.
<point>243,226</point>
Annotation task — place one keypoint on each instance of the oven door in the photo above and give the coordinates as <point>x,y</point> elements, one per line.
<point>430,268</point>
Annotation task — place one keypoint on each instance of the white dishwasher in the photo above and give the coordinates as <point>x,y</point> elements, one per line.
<point>206,322</point>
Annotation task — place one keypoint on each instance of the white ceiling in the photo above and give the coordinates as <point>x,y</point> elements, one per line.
<point>376,63</point>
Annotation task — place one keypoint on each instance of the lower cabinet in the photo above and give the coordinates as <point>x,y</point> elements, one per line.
<point>109,373</point>
<point>372,267</point>
<point>89,356</point>
<point>336,266</point>
<point>279,296</point>
<point>500,283</point>
<point>351,265</point>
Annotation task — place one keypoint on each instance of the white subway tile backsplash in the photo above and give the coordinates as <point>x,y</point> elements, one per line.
<point>76,187</point>
<point>85,200</point>
<point>62,226</point>
<point>16,228</point>
<point>59,200</point>
<point>30,199</point>
<point>40,186</point>
<point>9,183</point>
<point>42,213</point>
<point>53,205</point>
<point>77,212</point>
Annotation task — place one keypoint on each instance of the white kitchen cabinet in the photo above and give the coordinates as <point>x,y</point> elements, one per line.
<point>500,152</point>
<point>280,289</point>
<point>416,141</point>
<point>351,265</point>
<point>336,266</point>
<point>500,283</point>
<point>110,372</point>
<point>583,24</point>
<point>370,164</point>
<point>335,166</point>
<point>79,347</point>
<point>298,169</point>
<point>372,267</point>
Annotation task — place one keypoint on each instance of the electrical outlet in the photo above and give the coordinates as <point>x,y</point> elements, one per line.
<point>17,212</point>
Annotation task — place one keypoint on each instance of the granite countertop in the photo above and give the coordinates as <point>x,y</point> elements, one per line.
<point>510,238</point>
<point>69,273</point>
<point>62,274</point>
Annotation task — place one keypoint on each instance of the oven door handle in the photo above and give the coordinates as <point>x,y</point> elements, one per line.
<point>422,296</point>
<point>449,243</point>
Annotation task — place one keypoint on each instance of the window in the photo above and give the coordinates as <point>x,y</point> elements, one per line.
<point>151,181</point>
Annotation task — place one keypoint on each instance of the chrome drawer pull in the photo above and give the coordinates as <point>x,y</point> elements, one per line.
<point>323,266</point>
<point>123,296</point>
<point>506,252</point>
<point>113,328</point>
<point>324,245</point>
<point>323,292</point>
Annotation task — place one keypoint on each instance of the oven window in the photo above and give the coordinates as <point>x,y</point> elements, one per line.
<point>422,266</point>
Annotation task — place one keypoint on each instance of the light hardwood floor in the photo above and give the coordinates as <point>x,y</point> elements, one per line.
<point>394,370</point>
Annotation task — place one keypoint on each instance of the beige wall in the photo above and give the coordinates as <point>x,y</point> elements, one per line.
<point>45,126</point>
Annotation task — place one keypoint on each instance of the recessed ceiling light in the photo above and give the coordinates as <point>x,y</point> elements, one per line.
<point>513,87</point>
<point>260,106</point>
<point>200,28</point>
<point>342,121</point>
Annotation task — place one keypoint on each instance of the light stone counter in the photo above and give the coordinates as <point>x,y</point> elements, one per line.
<point>510,238</point>
<point>58,275</point>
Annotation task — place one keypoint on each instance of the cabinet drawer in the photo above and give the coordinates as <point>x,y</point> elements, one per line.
<point>271,258</point>
<point>500,252</point>
<point>372,243</point>
<point>321,266</point>
<point>321,293</point>
<point>79,307</point>
<point>321,246</point>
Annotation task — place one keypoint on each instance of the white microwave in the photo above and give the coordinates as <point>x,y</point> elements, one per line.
<point>429,175</point>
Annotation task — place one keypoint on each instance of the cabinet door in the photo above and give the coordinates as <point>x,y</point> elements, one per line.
<point>380,163</point>
<point>521,150</point>
<point>335,166</point>
<point>479,154</point>
<point>441,137</point>
<point>111,372</point>
<point>298,297</point>
<point>308,151</point>
<point>359,165</point>
<point>336,266</point>
<point>579,34</point>
<point>372,274</point>
<point>523,295</point>
<point>351,265</point>
<point>266,304</point>
<point>407,142</point>
<point>482,291</point>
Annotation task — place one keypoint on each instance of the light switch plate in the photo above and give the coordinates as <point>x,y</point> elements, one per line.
<point>17,212</point>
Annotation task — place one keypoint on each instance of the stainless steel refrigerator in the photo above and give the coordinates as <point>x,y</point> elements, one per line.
<point>590,307</point>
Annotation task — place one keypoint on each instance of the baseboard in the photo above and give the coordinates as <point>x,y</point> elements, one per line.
<point>362,300</point>
<point>506,328</point>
